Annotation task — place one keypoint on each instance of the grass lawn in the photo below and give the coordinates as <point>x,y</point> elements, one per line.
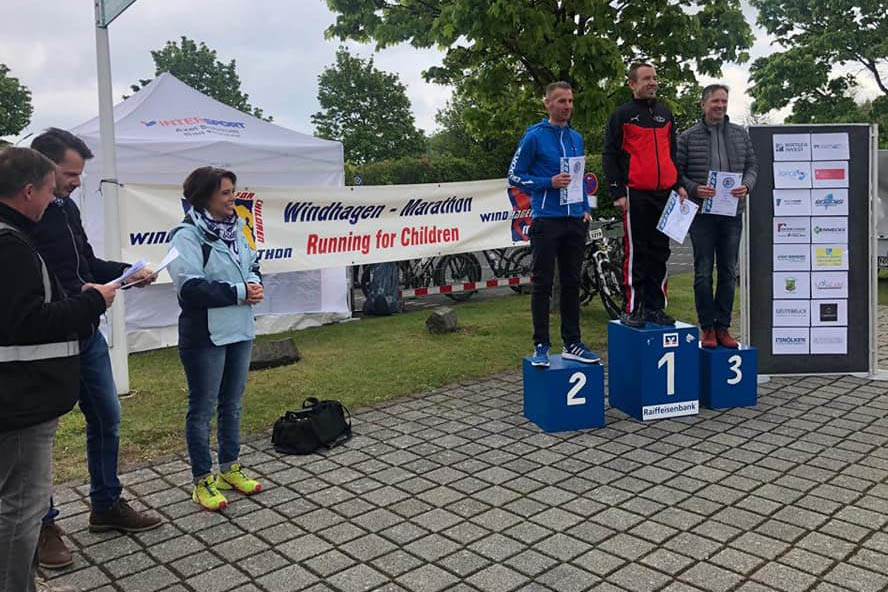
<point>358,363</point>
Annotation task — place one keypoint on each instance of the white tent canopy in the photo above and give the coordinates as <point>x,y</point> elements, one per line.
<point>168,129</point>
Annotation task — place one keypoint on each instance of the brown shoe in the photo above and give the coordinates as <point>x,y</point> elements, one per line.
<point>725,339</point>
<point>122,517</point>
<point>709,341</point>
<point>52,553</point>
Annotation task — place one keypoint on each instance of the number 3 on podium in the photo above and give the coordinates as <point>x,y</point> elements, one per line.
<point>578,380</point>
<point>735,362</point>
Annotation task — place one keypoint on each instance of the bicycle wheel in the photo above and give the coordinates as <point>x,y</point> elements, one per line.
<point>457,269</point>
<point>588,277</point>
<point>611,289</point>
<point>519,266</point>
<point>366,278</point>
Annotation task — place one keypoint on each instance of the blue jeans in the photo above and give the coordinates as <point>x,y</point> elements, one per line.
<point>716,240</point>
<point>217,376</point>
<point>25,487</point>
<point>101,409</point>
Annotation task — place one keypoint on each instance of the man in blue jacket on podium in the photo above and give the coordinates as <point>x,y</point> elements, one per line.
<point>558,230</point>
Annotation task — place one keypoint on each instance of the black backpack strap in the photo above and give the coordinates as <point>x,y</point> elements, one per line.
<point>206,249</point>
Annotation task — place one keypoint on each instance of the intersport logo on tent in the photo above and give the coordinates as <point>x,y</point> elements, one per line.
<point>186,121</point>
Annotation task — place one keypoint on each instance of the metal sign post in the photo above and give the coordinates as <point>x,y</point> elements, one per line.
<point>107,11</point>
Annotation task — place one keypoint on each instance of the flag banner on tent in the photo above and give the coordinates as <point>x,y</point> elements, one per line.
<point>313,228</point>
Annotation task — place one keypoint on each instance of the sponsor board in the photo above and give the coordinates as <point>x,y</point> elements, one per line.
<point>829,284</point>
<point>792,147</point>
<point>829,202</point>
<point>792,175</point>
<point>792,284</point>
<point>792,202</point>
<point>832,257</point>
<point>791,313</point>
<point>792,257</point>
<point>792,230</point>
<point>665,410</point>
<point>832,173</point>
<point>829,340</point>
<point>829,313</point>
<point>830,146</point>
<point>790,341</point>
<point>833,229</point>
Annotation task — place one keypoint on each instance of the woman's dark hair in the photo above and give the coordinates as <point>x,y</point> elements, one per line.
<point>202,183</point>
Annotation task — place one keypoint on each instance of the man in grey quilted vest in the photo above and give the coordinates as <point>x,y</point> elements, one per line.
<point>715,144</point>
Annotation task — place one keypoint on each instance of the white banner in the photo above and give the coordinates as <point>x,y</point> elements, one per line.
<point>313,228</point>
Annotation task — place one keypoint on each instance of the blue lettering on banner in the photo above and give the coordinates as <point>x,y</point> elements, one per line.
<point>157,237</point>
<point>495,216</point>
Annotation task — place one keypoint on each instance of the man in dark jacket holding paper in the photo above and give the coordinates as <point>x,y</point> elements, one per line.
<point>64,246</point>
<point>715,144</point>
<point>40,329</point>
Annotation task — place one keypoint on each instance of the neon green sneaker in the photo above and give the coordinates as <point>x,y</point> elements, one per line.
<point>207,495</point>
<point>234,478</point>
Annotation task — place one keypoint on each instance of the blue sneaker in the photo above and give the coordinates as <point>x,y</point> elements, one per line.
<point>580,353</point>
<point>540,355</point>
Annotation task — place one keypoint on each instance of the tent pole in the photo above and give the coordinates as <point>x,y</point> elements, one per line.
<point>117,318</point>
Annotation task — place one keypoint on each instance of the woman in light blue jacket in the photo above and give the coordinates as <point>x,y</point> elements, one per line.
<point>217,281</point>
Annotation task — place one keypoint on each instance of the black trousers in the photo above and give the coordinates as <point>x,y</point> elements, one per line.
<point>645,251</point>
<point>560,240</point>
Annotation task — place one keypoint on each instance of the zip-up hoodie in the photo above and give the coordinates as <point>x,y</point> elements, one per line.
<point>211,283</point>
<point>537,160</point>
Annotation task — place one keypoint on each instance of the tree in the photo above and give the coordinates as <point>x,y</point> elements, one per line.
<point>824,40</point>
<point>502,53</point>
<point>367,110</point>
<point>197,66</point>
<point>15,104</point>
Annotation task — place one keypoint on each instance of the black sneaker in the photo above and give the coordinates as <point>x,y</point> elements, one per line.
<point>659,317</point>
<point>634,320</point>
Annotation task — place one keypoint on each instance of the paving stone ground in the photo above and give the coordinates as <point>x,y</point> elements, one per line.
<point>453,490</point>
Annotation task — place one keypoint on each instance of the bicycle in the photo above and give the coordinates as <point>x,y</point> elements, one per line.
<point>509,262</point>
<point>428,271</point>
<point>602,270</point>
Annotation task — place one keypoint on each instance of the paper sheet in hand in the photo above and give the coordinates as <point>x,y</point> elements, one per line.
<point>675,221</point>
<point>722,203</point>
<point>171,256</point>
<point>134,268</point>
<point>574,166</point>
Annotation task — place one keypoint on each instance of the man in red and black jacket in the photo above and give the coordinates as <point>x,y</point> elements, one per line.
<point>639,161</point>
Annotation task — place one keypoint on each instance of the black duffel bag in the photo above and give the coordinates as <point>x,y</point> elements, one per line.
<point>318,424</point>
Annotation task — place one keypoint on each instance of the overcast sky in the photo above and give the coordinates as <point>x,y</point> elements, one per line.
<point>279,46</point>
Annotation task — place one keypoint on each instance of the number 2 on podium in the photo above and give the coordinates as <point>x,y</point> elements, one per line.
<point>578,380</point>
<point>669,360</point>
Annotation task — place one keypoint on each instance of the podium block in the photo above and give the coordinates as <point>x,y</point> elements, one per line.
<point>654,371</point>
<point>565,396</point>
<point>728,377</point>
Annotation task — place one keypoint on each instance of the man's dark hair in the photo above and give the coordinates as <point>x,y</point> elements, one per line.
<point>550,88</point>
<point>633,69</point>
<point>202,183</point>
<point>20,167</point>
<point>54,142</point>
<point>708,90</point>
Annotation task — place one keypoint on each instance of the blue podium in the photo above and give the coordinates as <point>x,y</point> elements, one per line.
<point>728,377</point>
<point>566,396</point>
<point>654,371</point>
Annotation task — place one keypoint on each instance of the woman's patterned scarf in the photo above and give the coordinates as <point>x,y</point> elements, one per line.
<point>225,229</point>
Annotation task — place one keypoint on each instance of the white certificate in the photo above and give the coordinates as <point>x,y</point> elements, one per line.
<point>575,166</point>
<point>830,146</point>
<point>675,221</point>
<point>792,202</point>
<point>722,203</point>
